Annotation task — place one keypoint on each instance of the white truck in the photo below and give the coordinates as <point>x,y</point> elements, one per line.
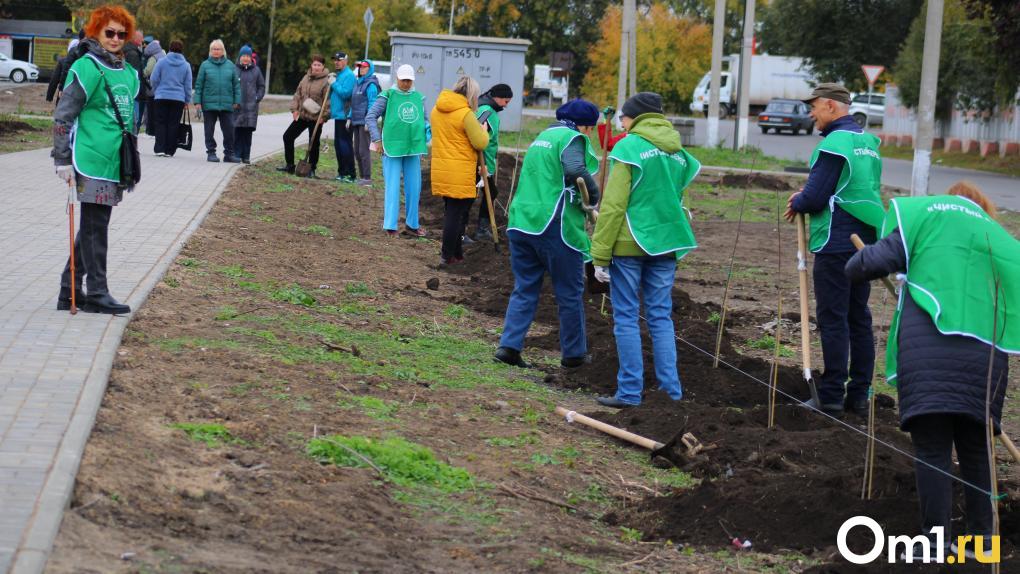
<point>546,86</point>
<point>771,77</point>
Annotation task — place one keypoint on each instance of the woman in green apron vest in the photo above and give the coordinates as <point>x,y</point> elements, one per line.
<point>642,231</point>
<point>952,252</point>
<point>546,233</point>
<point>86,150</point>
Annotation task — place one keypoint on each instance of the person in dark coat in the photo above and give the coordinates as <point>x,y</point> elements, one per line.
<point>943,378</point>
<point>253,89</point>
<point>133,57</point>
<point>171,84</point>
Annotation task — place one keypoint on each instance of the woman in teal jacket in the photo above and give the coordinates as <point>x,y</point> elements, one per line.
<point>217,95</point>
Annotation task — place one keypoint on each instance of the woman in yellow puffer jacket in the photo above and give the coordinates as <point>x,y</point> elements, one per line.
<point>457,137</point>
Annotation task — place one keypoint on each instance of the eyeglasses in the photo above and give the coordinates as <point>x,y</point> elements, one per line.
<point>120,34</point>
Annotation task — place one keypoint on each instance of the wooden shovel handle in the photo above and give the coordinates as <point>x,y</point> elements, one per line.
<point>805,331</point>
<point>856,240</point>
<point>619,433</point>
<point>484,170</point>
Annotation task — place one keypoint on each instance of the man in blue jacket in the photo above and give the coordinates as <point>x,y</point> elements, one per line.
<point>340,111</point>
<point>842,198</point>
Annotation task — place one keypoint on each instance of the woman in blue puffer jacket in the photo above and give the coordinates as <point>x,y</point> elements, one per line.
<point>171,89</point>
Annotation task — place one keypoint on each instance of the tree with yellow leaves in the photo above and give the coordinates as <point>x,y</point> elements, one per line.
<point>673,53</point>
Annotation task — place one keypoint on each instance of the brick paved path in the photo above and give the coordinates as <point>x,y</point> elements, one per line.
<point>54,367</point>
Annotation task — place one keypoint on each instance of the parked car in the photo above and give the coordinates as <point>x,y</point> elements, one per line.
<point>383,72</point>
<point>781,114</point>
<point>17,70</point>
<point>867,112</point>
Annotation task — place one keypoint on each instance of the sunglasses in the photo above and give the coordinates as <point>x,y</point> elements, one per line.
<point>110,33</point>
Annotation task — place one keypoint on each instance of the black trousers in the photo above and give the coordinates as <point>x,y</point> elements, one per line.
<point>90,245</point>
<point>844,321</point>
<point>933,437</point>
<point>344,145</point>
<point>166,115</point>
<point>453,226</point>
<point>226,120</point>
<point>362,156</point>
<point>295,129</point>
<point>242,141</point>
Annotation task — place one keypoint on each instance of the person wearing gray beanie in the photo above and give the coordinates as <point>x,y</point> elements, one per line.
<point>642,231</point>
<point>546,233</point>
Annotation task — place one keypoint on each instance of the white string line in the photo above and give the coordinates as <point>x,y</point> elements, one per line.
<point>849,426</point>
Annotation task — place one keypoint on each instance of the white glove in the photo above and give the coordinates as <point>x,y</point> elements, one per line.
<point>331,77</point>
<point>66,173</point>
<point>602,274</point>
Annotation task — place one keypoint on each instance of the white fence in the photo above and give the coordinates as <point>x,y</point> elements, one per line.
<point>997,132</point>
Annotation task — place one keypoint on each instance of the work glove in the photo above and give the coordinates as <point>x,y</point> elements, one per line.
<point>66,173</point>
<point>331,77</point>
<point>602,274</point>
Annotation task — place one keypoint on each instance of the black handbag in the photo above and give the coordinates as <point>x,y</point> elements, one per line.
<point>130,160</point>
<point>184,133</point>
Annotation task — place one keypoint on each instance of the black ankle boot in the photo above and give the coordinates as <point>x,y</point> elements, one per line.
<point>64,302</point>
<point>105,303</point>
<point>286,168</point>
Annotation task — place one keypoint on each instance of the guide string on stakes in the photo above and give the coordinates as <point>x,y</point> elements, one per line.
<point>804,405</point>
<point>774,378</point>
<point>729,273</point>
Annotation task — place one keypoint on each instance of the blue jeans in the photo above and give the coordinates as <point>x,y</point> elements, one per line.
<point>844,321</point>
<point>531,257</point>
<point>408,166</point>
<point>652,279</point>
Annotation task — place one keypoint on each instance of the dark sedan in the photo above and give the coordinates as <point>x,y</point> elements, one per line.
<point>792,115</point>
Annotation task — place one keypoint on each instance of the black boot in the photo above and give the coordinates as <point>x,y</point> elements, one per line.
<point>105,303</point>
<point>511,357</point>
<point>64,302</point>
<point>286,168</point>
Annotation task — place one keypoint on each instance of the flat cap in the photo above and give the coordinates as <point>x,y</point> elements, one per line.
<point>831,91</point>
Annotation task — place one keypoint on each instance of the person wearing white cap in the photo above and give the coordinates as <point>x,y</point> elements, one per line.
<point>403,140</point>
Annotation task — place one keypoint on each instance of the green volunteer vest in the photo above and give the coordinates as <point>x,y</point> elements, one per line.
<point>404,123</point>
<point>655,213</point>
<point>857,190</point>
<point>541,186</point>
<point>96,135</point>
<point>950,272</point>
<point>493,148</point>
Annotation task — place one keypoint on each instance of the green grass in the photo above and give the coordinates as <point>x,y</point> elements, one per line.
<point>1009,165</point>
<point>236,272</point>
<point>358,289</point>
<point>711,202</point>
<point>38,134</point>
<point>750,158</point>
<point>373,407</point>
<point>402,462</point>
<point>455,311</point>
<point>513,442</point>
<point>630,534</point>
<point>768,343</point>
<point>293,294</point>
<point>321,230</point>
<point>211,434</point>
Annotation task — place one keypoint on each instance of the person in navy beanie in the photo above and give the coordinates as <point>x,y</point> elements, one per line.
<point>253,89</point>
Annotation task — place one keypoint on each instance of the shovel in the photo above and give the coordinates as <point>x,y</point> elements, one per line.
<point>805,332</point>
<point>665,450</point>
<point>70,224</point>
<point>488,199</point>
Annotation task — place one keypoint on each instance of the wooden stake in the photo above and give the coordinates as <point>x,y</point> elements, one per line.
<point>729,277</point>
<point>774,381</point>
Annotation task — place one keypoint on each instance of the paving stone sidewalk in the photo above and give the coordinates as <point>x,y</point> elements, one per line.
<point>53,366</point>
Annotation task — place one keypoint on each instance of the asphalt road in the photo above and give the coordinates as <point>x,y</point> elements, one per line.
<point>1004,190</point>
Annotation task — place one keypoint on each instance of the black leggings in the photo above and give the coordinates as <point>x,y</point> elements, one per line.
<point>934,436</point>
<point>295,129</point>
<point>453,226</point>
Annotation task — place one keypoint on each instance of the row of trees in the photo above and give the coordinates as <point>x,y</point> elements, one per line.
<point>980,67</point>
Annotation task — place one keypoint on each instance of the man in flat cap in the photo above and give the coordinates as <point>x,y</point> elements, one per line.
<point>842,198</point>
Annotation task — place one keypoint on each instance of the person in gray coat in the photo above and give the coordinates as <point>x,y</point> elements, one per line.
<point>253,89</point>
<point>943,386</point>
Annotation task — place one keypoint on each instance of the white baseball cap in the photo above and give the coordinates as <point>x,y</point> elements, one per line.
<point>405,72</point>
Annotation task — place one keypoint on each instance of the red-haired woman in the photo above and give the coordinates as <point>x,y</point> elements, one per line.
<point>86,149</point>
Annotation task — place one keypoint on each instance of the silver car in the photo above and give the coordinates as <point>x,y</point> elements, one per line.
<point>868,113</point>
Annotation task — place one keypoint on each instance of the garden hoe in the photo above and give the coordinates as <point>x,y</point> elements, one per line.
<point>488,199</point>
<point>805,331</point>
<point>666,450</point>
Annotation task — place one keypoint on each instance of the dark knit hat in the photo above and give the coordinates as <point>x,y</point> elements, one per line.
<point>642,103</point>
<point>245,51</point>
<point>581,112</point>
<point>501,91</point>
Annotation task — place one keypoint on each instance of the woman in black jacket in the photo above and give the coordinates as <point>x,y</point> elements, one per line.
<point>942,380</point>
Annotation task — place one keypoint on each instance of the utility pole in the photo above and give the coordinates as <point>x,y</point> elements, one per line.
<point>745,76</point>
<point>713,98</point>
<point>269,57</point>
<point>453,3</point>
<point>926,105</point>
<point>369,18</point>
<point>633,46</point>
<point>621,85</point>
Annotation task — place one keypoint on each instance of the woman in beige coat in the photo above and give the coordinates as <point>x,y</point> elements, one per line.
<point>311,96</point>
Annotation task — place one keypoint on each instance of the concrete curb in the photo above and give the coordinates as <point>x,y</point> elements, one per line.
<point>38,540</point>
